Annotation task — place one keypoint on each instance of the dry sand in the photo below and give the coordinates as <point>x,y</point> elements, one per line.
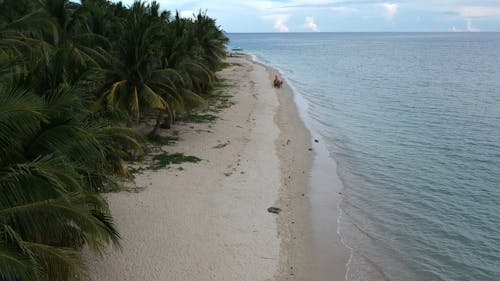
<point>209,221</point>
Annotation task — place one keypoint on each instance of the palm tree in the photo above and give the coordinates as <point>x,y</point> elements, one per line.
<point>134,71</point>
<point>46,211</point>
<point>58,150</point>
<point>54,156</point>
<point>211,39</point>
<point>181,51</point>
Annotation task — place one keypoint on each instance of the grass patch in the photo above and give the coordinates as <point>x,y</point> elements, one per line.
<point>222,85</point>
<point>219,101</point>
<point>161,161</point>
<point>198,118</point>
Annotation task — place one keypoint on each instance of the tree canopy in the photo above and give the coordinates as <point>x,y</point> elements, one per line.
<point>73,78</point>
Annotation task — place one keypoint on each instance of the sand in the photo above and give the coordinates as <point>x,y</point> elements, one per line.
<point>209,220</point>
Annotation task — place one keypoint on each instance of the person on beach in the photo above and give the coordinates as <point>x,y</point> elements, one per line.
<point>277,82</point>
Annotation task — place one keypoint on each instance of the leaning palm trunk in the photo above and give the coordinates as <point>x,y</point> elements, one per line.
<point>156,128</point>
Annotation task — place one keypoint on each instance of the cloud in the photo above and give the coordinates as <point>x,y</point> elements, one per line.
<point>454,29</point>
<point>279,21</point>
<point>470,28</point>
<point>343,15</point>
<point>321,4</point>
<point>390,10</point>
<point>478,12</point>
<point>186,14</point>
<point>344,10</point>
<point>262,5</point>
<point>279,25</point>
<point>310,24</point>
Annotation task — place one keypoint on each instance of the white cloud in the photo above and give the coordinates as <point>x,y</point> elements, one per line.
<point>244,15</point>
<point>479,12</point>
<point>262,5</point>
<point>279,21</point>
<point>186,14</point>
<point>390,10</point>
<point>281,26</point>
<point>310,24</point>
<point>297,4</point>
<point>470,28</point>
<point>454,29</point>
<point>344,10</point>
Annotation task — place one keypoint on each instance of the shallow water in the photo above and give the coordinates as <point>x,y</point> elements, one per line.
<point>413,122</point>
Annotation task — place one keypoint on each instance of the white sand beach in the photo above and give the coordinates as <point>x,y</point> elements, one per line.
<point>209,220</point>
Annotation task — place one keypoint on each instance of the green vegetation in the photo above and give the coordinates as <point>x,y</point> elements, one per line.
<point>74,78</point>
<point>198,118</point>
<point>164,160</point>
<point>219,101</point>
<point>215,103</point>
<point>161,161</point>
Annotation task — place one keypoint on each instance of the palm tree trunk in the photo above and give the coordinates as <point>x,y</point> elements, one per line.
<point>156,128</point>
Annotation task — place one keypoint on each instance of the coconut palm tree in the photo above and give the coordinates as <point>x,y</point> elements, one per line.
<point>47,212</point>
<point>211,39</point>
<point>131,76</point>
<point>54,156</point>
<point>58,151</point>
<point>181,51</point>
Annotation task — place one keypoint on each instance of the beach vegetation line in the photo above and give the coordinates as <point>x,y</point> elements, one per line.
<point>75,80</point>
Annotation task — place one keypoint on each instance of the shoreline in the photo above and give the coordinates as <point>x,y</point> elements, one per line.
<point>313,248</point>
<point>296,162</point>
<point>209,221</point>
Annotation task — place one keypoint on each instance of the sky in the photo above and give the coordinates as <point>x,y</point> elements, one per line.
<point>344,15</point>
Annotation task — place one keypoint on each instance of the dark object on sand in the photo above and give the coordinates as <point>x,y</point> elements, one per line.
<point>274,210</point>
<point>221,145</point>
<point>315,140</point>
<point>277,83</point>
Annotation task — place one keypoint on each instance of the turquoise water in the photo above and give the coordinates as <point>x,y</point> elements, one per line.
<point>413,122</point>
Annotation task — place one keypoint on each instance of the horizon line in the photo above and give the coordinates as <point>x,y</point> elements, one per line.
<point>291,32</point>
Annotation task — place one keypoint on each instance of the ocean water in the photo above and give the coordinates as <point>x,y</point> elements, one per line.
<point>413,122</point>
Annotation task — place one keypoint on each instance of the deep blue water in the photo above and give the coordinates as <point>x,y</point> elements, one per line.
<point>413,121</point>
